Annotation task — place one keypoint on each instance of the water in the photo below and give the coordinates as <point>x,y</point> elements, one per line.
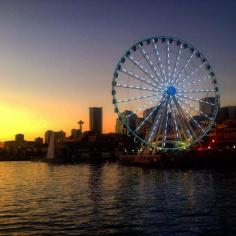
<point>42,199</point>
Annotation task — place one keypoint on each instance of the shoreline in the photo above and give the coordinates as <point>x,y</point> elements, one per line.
<point>189,160</point>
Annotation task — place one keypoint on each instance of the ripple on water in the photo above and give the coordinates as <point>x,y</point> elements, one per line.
<point>37,198</point>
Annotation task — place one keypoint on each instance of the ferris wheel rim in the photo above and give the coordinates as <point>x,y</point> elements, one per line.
<point>195,50</point>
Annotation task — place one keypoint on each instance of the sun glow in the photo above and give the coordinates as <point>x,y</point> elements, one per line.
<point>15,119</point>
<point>32,122</point>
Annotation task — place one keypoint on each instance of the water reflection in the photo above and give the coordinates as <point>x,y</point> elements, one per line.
<point>37,198</point>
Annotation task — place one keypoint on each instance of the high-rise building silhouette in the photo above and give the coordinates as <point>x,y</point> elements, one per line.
<point>39,140</point>
<point>227,113</point>
<point>19,137</point>
<point>75,133</point>
<point>130,119</point>
<point>59,136</point>
<point>95,119</point>
<point>47,136</point>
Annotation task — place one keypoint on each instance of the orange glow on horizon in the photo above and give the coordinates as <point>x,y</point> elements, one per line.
<point>16,118</point>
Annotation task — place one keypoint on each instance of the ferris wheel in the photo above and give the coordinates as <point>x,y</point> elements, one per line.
<point>165,93</point>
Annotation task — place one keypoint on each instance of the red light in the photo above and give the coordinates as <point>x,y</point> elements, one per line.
<point>213,140</point>
<point>209,147</point>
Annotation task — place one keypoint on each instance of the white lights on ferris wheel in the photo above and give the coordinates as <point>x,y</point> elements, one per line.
<point>170,87</point>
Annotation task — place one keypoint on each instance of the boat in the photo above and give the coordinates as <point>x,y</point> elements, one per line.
<point>141,160</point>
<point>187,159</point>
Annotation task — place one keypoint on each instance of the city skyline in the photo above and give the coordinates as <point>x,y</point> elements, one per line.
<point>58,58</point>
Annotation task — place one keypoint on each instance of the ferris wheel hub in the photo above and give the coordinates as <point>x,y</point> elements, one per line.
<point>171,90</point>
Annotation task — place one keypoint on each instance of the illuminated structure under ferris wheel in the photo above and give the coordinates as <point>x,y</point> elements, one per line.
<point>169,88</point>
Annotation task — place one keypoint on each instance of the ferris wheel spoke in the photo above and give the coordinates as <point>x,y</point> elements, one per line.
<point>183,121</point>
<point>169,88</point>
<point>175,120</point>
<point>148,116</point>
<point>146,119</point>
<point>142,107</point>
<point>174,71</point>
<point>165,126</point>
<point>182,131</point>
<point>192,134</point>
<point>183,68</point>
<point>143,69</point>
<point>137,77</point>
<point>191,73</point>
<point>168,59</point>
<point>150,63</point>
<point>135,98</point>
<point>155,124</point>
<point>135,87</point>
<point>193,108</point>
<point>159,62</point>
<point>187,117</point>
<point>196,100</point>
<point>192,118</point>
<point>160,129</point>
<point>196,91</point>
<point>195,82</point>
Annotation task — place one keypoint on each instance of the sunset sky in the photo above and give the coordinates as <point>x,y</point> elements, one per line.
<point>57,57</point>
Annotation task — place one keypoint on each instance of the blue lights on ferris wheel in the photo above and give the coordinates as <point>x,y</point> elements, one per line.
<point>171,90</point>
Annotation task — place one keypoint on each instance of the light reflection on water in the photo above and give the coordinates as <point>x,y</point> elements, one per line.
<point>37,199</point>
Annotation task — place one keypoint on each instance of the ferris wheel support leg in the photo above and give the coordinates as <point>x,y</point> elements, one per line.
<point>156,123</point>
<point>175,121</point>
<point>197,125</point>
<point>165,123</point>
<point>185,121</point>
<point>182,125</point>
<point>160,125</point>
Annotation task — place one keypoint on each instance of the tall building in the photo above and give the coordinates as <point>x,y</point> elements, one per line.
<point>143,126</point>
<point>227,113</point>
<point>75,133</point>
<point>39,140</point>
<point>59,136</point>
<point>130,119</point>
<point>153,115</point>
<point>95,119</point>
<point>48,136</point>
<point>206,106</point>
<point>19,137</point>
<point>120,127</point>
